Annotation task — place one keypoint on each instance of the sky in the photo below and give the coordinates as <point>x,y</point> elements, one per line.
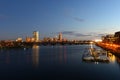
<point>76,19</point>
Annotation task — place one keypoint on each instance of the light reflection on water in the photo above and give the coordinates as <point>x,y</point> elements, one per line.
<point>112,57</point>
<point>7,58</point>
<point>35,55</point>
<point>56,62</point>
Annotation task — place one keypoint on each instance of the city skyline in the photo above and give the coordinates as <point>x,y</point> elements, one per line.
<point>36,38</point>
<point>75,19</point>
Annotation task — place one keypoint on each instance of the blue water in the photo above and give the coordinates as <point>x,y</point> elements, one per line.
<point>55,63</point>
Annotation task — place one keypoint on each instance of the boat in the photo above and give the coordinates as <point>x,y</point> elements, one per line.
<point>96,55</point>
<point>88,57</point>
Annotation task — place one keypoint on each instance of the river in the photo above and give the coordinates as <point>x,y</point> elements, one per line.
<point>55,63</point>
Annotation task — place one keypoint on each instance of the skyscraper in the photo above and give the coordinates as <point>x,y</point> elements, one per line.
<point>60,37</point>
<point>36,36</point>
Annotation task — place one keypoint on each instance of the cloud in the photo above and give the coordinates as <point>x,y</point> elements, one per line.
<point>78,19</point>
<point>79,34</point>
<point>68,13</point>
<point>97,34</point>
<point>100,35</point>
<point>68,32</point>
<point>74,33</point>
<point>84,36</point>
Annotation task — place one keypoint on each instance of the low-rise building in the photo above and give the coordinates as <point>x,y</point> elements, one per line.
<point>117,37</point>
<point>19,40</point>
<point>108,38</point>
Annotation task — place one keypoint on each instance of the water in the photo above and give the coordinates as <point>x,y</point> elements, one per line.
<point>55,63</point>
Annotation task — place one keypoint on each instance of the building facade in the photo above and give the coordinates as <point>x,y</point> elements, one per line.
<point>60,37</point>
<point>36,36</point>
<point>117,37</point>
<point>19,40</point>
<point>108,38</point>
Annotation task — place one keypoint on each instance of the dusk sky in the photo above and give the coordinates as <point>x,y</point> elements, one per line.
<point>76,19</point>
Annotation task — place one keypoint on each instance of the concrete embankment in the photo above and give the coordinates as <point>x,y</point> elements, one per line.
<point>113,48</point>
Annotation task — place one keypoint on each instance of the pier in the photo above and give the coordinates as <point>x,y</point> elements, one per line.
<point>96,55</point>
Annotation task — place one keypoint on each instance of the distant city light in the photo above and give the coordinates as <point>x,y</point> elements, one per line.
<point>91,42</point>
<point>98,40</point>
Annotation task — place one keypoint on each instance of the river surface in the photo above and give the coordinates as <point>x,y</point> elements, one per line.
<point>55,63</point>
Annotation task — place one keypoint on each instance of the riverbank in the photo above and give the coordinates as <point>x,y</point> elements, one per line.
<point>9,45</point>
<point>113,48</point>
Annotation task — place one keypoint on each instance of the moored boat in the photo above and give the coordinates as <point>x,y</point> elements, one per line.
<point>96,55</point>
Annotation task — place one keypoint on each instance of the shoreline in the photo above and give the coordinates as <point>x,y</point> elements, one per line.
<point>113,48</point>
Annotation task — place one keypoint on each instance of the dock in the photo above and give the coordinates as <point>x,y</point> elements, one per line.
<point>95,55</point>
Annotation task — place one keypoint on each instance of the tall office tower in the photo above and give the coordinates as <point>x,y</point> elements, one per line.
<point>36,36</point>
<point>60,37</point>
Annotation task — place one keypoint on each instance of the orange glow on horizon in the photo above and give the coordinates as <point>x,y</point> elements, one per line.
<point>98,40</point>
